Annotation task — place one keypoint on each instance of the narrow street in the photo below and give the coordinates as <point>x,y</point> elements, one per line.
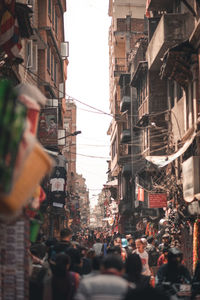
<point>84,217</point>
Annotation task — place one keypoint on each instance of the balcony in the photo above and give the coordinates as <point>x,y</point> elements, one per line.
<point>125,136</point>
<point>125,103</point>
<point>160,5</point>
<point>171,30</point>
<point>120,66</point>
<point>127,170</point>
<point>143,109</point>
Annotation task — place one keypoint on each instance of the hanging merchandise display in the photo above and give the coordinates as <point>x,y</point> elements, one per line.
<point>196,243</point>
<point>14,266</point>
<point>9,32</point>
<point>12,126</point>
<point>20,151</point>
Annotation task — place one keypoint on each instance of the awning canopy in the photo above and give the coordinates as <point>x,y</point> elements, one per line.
<point>164,160</point>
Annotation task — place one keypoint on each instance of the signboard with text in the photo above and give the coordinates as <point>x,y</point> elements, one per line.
<point>47,128</point>
<point>157,200</point>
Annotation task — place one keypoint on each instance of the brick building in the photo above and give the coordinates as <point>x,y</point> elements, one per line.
<point>154,97</point>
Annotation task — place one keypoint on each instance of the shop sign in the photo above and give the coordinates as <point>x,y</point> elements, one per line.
<point>48,128</point>
<point>157,200</point>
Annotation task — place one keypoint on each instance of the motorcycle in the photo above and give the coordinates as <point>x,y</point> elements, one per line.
<point>176,291</point>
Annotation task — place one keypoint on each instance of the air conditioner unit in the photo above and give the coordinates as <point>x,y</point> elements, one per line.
<point>61,137</point>
<point>64,50</point>
<point>52,102</point>
<point>61,90</point>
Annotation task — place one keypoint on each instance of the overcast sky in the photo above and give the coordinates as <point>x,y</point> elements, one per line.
<point>86,29</point>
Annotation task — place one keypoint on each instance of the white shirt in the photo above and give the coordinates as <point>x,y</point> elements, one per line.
<point>57,184</point>
<point>145,262</point>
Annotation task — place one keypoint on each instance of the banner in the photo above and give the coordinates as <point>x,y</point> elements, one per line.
<point>157,200</point>
<point>140,194</point>
<point>48,130</point>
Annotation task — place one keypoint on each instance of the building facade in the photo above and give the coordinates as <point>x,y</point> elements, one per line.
<point>154,92</point>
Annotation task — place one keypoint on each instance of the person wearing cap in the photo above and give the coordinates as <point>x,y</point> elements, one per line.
<point>123,249</point>
<point>165,242</point>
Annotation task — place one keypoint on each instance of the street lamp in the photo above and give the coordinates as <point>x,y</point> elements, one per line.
<point>70,134</point>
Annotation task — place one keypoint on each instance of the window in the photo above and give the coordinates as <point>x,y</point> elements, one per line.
<point>146,139</point>
<point>142,89</point>
<point>177,6</point>
<point>52,16</point>
<point>48,58</point>
<point>56,23</point>
<point>34,58</point>
<point>171,93</point>
<point>51,65</point>
<point>179,92</point>
<point>114,148</point>
<point>49,8</point>
<point>29,55</point>
<point>55,70</point>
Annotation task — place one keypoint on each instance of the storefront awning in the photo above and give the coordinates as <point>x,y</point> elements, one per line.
<point>163,160</point>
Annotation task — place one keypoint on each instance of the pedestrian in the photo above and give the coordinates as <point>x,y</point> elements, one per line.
<point>140,250</point>
<point>96,262</point>
<point>134,272</point>
<point>131,244</point>
<point>153,254</point>
<point>163,258</point>
<point>98,246</point>
<point>174,271</point>
<point>63,284</point>
<point>109,285</point>
<point>166,240</point>
<point>63,244</point>
<point>39,271</point>
<point>76,260</point>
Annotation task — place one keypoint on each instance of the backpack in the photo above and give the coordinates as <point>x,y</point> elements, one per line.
<point>153,257</point>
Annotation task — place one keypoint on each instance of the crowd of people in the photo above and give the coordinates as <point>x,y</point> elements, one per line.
<point>97,266</point>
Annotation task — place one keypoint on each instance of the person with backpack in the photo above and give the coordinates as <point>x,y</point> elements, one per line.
<point>63,244</point>
<point>153,254</point>
<point>40,270</point>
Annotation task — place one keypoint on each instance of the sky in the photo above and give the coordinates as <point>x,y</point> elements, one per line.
<point>86,28</point>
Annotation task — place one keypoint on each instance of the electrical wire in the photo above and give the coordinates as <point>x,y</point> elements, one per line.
<point>66,95</point>
<point>83,103</point>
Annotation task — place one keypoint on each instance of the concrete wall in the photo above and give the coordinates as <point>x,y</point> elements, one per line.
<point>177,118</point>
<point>135,8</point>
<point>171,30</point>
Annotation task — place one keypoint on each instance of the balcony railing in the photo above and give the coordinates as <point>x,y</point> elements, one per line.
<point>125,103</point>
<point>120,66</point>
<point>125,136</point>
<point>144,108</point>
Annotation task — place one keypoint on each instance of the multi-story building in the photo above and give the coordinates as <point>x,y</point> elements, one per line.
<point>157,114</point>
<point>84,203</point>
<point>127,26</point>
